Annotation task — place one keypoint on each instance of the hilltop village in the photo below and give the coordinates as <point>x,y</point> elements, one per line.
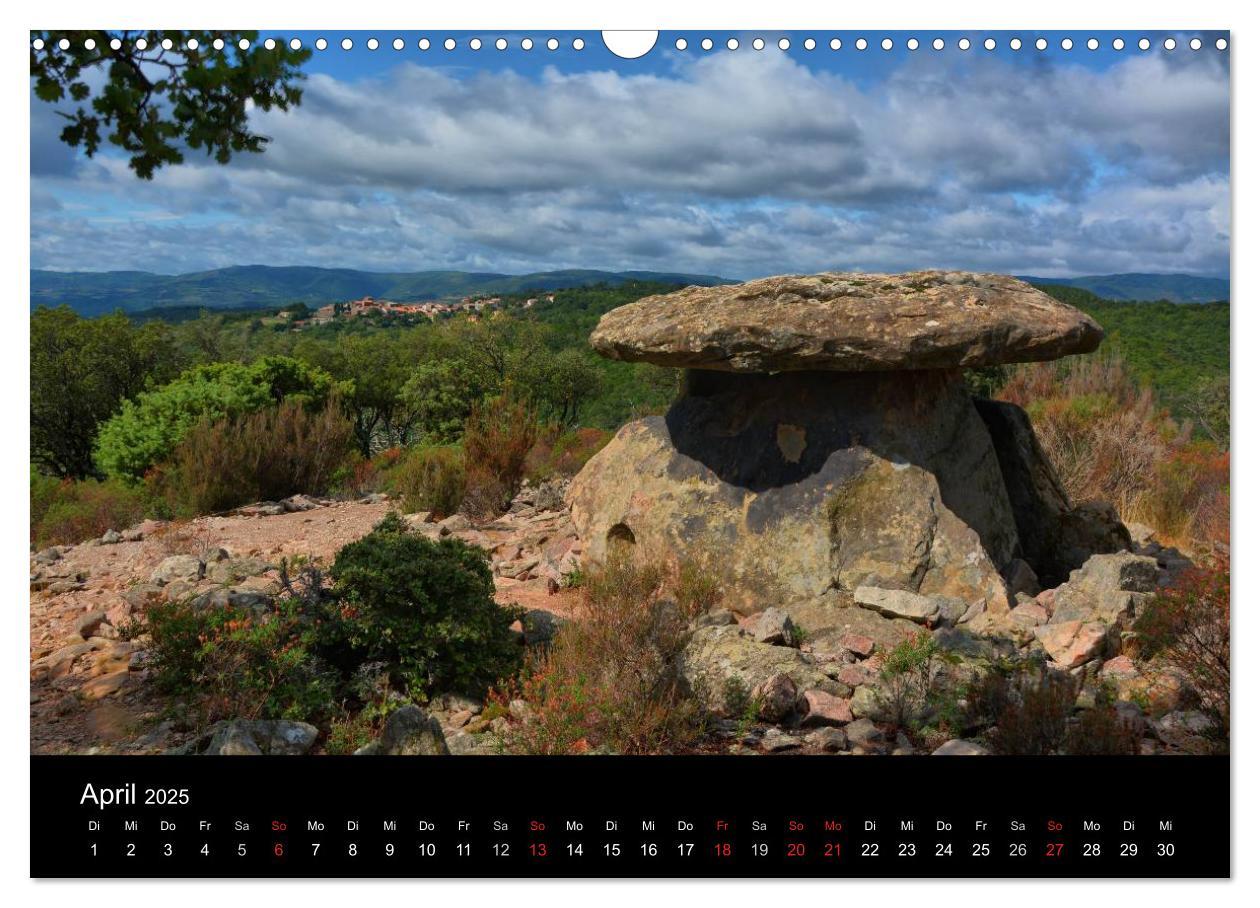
<point>472,306</point>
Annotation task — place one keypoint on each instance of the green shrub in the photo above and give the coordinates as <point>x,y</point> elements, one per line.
<point>146,430</point>
<point>912,691</point>
<point>229,662</point>
<point>268,455</point>
<point>431,478</point>
<point>64,511</point>
<point>425,609</point>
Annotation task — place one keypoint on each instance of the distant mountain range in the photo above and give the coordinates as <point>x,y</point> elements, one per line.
<point>1176,288</point>
<point>262,286</point>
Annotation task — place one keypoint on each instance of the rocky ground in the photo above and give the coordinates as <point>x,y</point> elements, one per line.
<point>808,673</point>
<point>88,683</point>
<point>814,669</point>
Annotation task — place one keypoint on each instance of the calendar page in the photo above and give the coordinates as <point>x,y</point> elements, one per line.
<point>729,453</point>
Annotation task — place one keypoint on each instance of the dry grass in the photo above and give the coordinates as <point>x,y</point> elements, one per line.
<point>1109,439</point>
<point>608,680</point>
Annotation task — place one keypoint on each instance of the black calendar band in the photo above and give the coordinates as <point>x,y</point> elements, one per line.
<point>602,816</point>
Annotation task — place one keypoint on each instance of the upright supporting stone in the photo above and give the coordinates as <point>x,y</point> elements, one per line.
<point>825,438</point>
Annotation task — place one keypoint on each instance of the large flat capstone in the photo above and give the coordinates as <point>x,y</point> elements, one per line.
<point>848,322</point>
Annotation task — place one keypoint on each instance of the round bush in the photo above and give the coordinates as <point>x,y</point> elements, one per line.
<point>426,609</point>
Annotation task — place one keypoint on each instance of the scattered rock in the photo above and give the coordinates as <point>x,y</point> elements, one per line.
<point>178,567</point>
<point>1029,614</point>
<point>89,624</point>
<point>775,627</point>
<point>822,708</point>
<point>899,604</point>
<point>716,658</point>
<point>142,595</point>
<point>246,737</point>
<point>298,503</point>
<point>1119,668</point>
<point>456,523</point>
<point>858,644</point>
<point>539,626</point>
<point>827,738</point>
<point>1072,643</point>
<point>959,748</point>
<point>864,733</point>
<point>777,741</point>
<point>1184,730</point>
<point>715,617</point>
<point>411,732</point>
<point>236,569</point>
<point>778,696</point>
<point>104,685</point>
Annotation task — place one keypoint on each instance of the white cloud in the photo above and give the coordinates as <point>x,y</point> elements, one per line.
<point>736,164</point>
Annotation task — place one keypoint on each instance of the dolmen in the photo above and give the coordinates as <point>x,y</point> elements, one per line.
<point>825,441</point>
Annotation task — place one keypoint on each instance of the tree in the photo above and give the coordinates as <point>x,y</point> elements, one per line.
<point>440,395</point>
<point>373,368</point>
<point>565,381</point>
<point>81,372</point>
<point>162,93</point>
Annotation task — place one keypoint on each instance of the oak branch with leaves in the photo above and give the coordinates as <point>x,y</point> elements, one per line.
<point>155,95</point>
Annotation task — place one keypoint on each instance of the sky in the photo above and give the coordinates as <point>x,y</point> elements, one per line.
<point>739,163</point>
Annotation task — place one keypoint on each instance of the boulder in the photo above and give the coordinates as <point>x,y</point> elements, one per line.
<point>865,734</point>
<point>787,486</point>
<point>848,322</point>
<point>178,567</point>
<point>254,600</point>
<point>1055,537</point>
<point>297,503</point>
<point>411,732</point>
<point>858,644</point>
<point>1107,589</point>
<point>111,537</point>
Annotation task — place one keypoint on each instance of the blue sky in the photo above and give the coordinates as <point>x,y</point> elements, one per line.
<point>740,163</point>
